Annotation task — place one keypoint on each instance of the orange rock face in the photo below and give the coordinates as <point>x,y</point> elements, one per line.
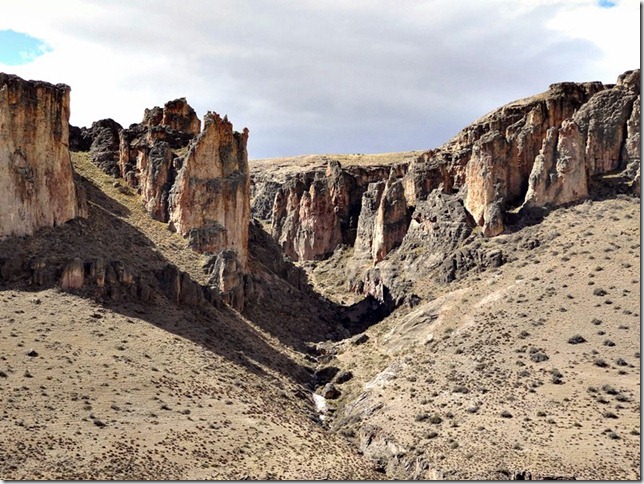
<point>210,198</point>
<point>36,178</point>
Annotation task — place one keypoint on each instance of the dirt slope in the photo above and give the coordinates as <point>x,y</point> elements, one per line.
<point>531,369</point>
<point>119,389</point>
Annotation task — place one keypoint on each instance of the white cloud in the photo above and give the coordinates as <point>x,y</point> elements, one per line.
<point>615,30</point>
<point>335,76</point>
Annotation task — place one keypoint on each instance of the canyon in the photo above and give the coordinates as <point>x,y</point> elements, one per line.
<point>326,316</point>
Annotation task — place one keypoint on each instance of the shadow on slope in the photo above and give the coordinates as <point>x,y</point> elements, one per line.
<point>37,262</point>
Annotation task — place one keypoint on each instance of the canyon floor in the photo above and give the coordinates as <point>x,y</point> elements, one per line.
<point>530,369</point>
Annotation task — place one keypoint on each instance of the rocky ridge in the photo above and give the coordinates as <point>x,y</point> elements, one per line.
<point>504,169</point>
<point>196,181</point>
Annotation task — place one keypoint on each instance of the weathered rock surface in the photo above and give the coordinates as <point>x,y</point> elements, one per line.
<point>439,226</point>
<point>371,200</point>
<point>176,115</point>
<point>198,182</point>
<point>392,219</point>
<point>36,177</point>
<point>150,152</point>
<point>541,150</point>
<point>210,198</point>
<point>559,172</point>
<point>79,139</point>
<point>104,150</point>
<point>603,125</point>
<point>538,152</point>
<point>315,211</point>
<point>494,156</point>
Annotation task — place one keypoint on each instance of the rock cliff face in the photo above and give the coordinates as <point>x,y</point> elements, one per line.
<point>36,178</point>
<point>535,153</point>
<point>147,152</point>
<point>493,157</point>
<point>197,181</point>
<point>315,211</point>
<point>210,198</point>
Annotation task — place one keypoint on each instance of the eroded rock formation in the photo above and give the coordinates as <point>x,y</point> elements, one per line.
<point>150,152</point>
<point>210,198</point>
<point>535,153</point>
<point>559,173</point>
<point>196,181</point>
<point>315,211</point>
<point>36,177</point>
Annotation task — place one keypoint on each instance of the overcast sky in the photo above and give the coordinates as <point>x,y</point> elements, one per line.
<point>320,76</point>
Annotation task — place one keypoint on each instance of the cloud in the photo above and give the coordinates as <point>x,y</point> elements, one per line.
<point>335,76</point>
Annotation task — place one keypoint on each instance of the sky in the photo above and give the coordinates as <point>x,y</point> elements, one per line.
<point>317,76</point>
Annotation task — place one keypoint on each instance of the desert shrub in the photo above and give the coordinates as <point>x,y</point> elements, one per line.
<point>576,339</point>
<point>539,357</point>
<point>600,363</point>
<point>610,390</point>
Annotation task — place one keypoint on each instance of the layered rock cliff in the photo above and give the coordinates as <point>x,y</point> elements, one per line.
<point>535,153</point>
<point>36,177</point>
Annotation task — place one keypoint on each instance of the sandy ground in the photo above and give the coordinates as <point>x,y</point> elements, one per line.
<point>139,392</point>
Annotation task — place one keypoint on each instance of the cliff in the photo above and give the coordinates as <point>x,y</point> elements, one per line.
<point>210,199</point>
<point>529,155</point>
<point>148,150</point>
<point>36,177</point>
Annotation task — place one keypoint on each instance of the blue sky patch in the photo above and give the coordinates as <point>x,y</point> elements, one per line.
<point>17,48</point>
<point>606,3</point>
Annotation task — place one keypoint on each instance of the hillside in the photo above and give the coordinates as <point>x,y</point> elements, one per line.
<point>124,389</point>
<point>467,312</point>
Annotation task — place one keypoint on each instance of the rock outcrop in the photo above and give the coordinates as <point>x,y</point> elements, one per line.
<point>493,157</point>
<point>176,116</point>
<point>392,219</point>
<point>315,211</point>
<point>101,140</point>
<point>210,198</point>
<point>532,154</point>
<point>150,153</point>
<point>37,187</point>
<point>196,181</point>
<point>104,150</point>
<point>559,173</point>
